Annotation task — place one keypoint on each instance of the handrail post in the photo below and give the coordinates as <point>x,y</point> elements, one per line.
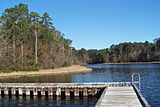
<point>135,81</point>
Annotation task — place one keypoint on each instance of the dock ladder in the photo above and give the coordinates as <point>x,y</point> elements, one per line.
<point>135,81</point>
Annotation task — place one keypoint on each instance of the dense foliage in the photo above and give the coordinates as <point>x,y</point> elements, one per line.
<point>123,52</point>
<point>29,41</point>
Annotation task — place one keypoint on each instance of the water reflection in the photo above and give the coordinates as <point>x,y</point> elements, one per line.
<point>63,78</point>
<point>46,102</point>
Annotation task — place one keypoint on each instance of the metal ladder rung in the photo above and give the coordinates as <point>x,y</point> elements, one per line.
<point>136,82</point>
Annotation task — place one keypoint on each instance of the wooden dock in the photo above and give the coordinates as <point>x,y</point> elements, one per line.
<point>126,96</point>
<point>112,94</point>
<point>56,89</point>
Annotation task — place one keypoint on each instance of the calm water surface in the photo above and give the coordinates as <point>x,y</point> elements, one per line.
<point>150,84</point>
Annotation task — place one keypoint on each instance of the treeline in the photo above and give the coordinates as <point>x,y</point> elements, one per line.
<point>123,52</point>
<point>29,41</point>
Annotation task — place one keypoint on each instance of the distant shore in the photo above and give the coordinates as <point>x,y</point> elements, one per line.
<point>135,63</point>
<point>62,70</point>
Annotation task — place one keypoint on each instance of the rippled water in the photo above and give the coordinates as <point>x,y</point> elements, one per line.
<point>150,84</point>
<point>46,102</point>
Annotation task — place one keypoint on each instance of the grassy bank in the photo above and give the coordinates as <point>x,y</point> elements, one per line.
<point>70,69</point>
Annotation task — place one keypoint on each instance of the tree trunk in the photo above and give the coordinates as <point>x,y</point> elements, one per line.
<point>36,40</point>
<point>14,47</point>
<point>51,62</point>
<point>22,53</point>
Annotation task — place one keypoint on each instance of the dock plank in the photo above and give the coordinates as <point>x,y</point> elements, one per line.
<point>119,97</point>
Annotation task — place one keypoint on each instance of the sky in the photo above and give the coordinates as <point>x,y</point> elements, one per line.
<point>97,24</point>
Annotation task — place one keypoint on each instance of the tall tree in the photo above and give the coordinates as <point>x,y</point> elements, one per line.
<point>23,24</point>
<point>35,20</point>
<point>9,23</point>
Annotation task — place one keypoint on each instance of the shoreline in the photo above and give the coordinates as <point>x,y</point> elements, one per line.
<point>61,70</point>
<point>133,63</point>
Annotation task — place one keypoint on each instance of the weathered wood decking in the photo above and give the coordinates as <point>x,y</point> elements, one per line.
<point>63,85</point>
<point>119,97</point>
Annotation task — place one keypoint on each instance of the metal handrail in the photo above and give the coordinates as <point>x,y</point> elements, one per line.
<point>135,81</point>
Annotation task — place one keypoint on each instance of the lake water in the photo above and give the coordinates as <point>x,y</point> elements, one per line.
<point>150,84</point>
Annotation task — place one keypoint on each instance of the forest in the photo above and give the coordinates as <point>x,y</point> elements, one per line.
<point>122,52</point>
<point>29,41</point>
